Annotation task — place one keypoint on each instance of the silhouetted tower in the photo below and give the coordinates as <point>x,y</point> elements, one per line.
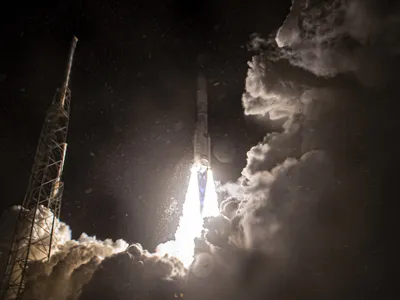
<point>38,217</point>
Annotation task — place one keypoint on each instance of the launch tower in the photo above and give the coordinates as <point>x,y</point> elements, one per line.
<point>34,232</point>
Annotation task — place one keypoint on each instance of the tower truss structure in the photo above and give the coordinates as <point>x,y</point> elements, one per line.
<point>34,236</point>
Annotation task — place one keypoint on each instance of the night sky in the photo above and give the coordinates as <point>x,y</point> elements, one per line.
<point>133,102</point>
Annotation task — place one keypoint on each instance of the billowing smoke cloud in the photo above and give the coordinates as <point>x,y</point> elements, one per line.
<point>72,262</point>
<point>304,200</point>
<point>340,36</point>
<point>37,247</point>
<point>40,233</point>
<point>69,271</point>
<point>136,272</point>
<point>82,269</point>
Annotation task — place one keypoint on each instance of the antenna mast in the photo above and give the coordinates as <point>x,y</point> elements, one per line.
<point>37,222</point>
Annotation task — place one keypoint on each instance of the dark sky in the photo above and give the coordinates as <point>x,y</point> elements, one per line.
<point>133,105</point>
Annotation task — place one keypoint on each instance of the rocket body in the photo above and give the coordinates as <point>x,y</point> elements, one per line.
<point>202,141</point>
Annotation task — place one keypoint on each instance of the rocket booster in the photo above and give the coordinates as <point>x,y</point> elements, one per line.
<point>202,142</point>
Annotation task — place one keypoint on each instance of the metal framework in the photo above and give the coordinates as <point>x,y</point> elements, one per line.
<point>35,230</point>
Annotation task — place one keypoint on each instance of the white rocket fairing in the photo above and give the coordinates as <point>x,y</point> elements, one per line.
<point>202,142</point>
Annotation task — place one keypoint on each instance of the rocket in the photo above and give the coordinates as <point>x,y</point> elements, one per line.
<point>202,141</point>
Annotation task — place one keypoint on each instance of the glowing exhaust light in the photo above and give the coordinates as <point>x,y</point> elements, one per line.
<point>211,208</point>
<point>191,222</point>
<point>190,225</point>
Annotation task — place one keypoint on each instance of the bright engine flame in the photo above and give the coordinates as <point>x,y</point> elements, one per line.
<point>211,208</point>
<point>191,222</point>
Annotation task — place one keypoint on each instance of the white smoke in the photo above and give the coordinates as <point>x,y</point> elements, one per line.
<point>35,248</point>
<point>312,30</point>
<point>273,184</point>
<point>294,177</point>
<point>66,274</point>
<point>40,233</point>
<point>135,273</point>
<point>338,36</point>
<point>71,264</point>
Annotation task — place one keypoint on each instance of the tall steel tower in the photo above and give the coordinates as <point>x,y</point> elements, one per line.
<point>38,217</point>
